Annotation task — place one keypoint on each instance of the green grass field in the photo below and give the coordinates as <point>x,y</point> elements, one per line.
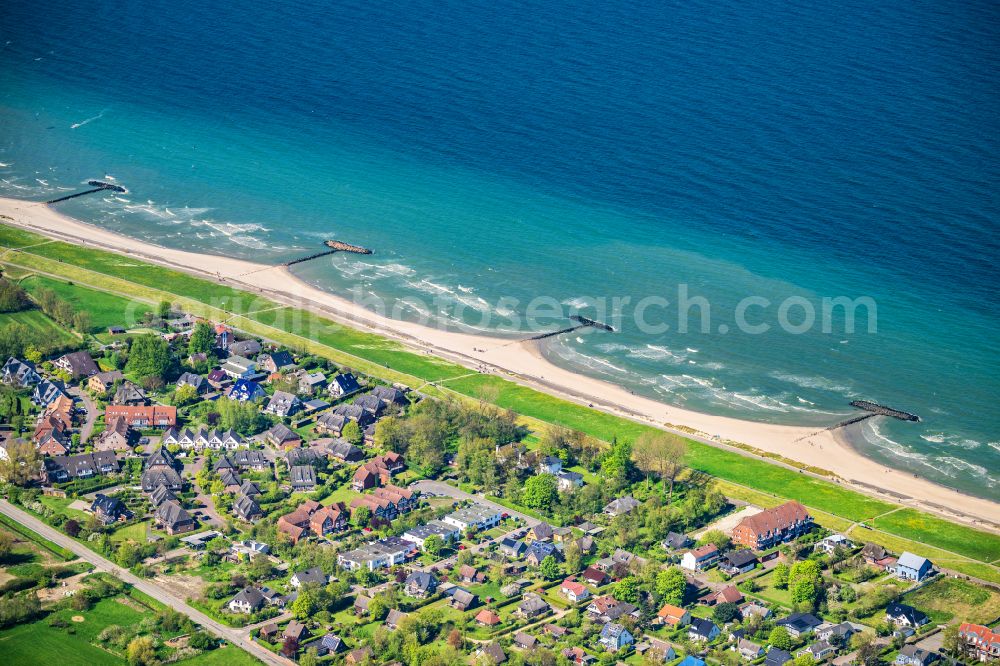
<point>948,598</point>
<point>134,532</point>
<point>921,527</point>
<point>224,656</point>
<point>105,309</point>
<point>375,355</point>
<point>40,323</point>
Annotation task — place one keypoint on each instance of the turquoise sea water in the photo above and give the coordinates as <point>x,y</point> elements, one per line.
<point>496,154</point>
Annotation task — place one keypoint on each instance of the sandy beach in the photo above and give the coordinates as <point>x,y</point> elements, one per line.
<point>523,362</point>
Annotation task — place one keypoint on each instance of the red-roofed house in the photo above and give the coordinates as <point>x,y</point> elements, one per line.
<point>143,416</point>
<point>574,591</point>
<point>675,616</point>
<point>773,526</point>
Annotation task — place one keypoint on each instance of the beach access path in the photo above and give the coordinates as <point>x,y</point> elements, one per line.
<point>238,637</point>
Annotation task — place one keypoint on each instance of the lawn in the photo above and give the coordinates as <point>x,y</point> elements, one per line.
<point>924,528</point>
<point>768,592</point>
<point>105,309</point>
<point>40,323</point>
<point>372,354</point>
<point>134,532</point>
<point>949,598</point>
<point>38,643</point>
<point>224,656</point>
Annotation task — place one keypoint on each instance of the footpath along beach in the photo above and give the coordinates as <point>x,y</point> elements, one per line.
<point>522,362</point>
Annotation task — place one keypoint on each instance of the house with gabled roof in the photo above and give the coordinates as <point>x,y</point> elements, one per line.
<point>195,381</point>
<point>773,526</point>
<point>173,518</point>
<point>281,436</point>
<point>283,404</point>
<point>103,382</point>
<point>129,394</point>
<point>343,385</point>
<point>493,652</point>
<point>77,364</point>
<point>248,600</point>
<point>700,558</point>
<point>673,616</point>
<point>22,374</point>
<point>575,591</point>
<point>108,510</point>
<point>47,391</point>
<point>275,361</point>
<point>245,390</point>
<point>912,567</point>
<point>615,636</point>
<point>246,508</point>
<point>622,505</point>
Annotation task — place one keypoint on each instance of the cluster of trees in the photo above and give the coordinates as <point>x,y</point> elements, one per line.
<point>150,359</point>
<point>12,297</point>
<point>803,579</point>
<point>435,428</point>
<point>62,311</point>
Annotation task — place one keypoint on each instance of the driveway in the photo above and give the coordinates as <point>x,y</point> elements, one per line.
<point>235,636</point>
<point>88,425</point>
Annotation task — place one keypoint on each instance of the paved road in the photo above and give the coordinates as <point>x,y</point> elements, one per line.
<point>88,404</point>
<point>235,636</point>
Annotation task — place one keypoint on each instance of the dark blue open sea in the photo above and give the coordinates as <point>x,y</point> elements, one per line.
<point>493,153</point>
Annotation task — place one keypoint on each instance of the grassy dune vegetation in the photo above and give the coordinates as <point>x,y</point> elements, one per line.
<point>373,354</point>
<point>105,309</point>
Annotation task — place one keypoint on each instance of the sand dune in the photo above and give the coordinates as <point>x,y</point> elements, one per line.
<point>522,362</point>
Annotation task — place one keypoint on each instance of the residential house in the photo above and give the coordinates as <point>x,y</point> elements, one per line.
<point>21,374</point>
<point>525,641</point>
<point>103,382</point>
<point>283,404</point>
<point>173,518</point>
<point>673,616</point>
<point>461,599</point>
<point>393,619</point>
<point>248,600</point>
<point>384,553</point>
<point>691,661</point>
<point>620,506</point>
<point>912,567</point>
<point>737,562</point>
<point>776,657</point>
<point>361,603</point>
<point>540,532</point>
<point>161,494</point>
<point>702,630</point>
<point>390,396</point>
<point>355,413</point>
<point>512,548</point>
<point>700,558</point>
<point>727,595</point>
<point>911,655</point>
<point>619,562</point>
<point>328,520</point>
<point>245,390</point>
<point>45,392</point>
<point>358,656</point>
<point>295,631</point>
<point>979,642</point>
<point>752,608</point>
<point>578,657</point>
<point>238,367</point>
<point>901,615</point>
<point>488,618</point>
<point>61,469</point>
<point>303,477</point>
<point>311,575</point>
<point>550,465</point>
<point>161,470</point>
<point>539,550</point>
<point>343,385</point>
<point>749,650</point>
<point>246,459</point>
<point>772,526</point>
<point>370,404</point>
<point>118,436</point>
<point>574,590</point>
<point>492,652</point>
<point>606,609</point>
<point>418,535</point>
<point>330,644</point>
<point>142,417</point>
<point>839,634</point>
<point>568,481</point>
<point>594,576</point>
<point>195,381</point>
<point>675,541</point>
<point>275,362</point>
<point>77,364</point>
<point>246,508</point>
<point>108,510</point>
<point>310,382</point>
<point>831,543</point>
<point>129,394</point>
<point>819,650</point>
<point>330,423</point>
<point>231,480</point>
<point>296,523</point>
<point>532,606</point>
<point>282,437</point>
<point>245,348</point>
<point>799,624</point>
<point>340,449</point>
<point>614,637</point>
<point>420,584</point>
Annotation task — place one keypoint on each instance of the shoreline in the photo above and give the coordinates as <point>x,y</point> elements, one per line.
<point>523,362</point>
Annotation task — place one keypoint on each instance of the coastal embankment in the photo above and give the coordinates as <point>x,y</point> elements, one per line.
<point>524,363</point>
